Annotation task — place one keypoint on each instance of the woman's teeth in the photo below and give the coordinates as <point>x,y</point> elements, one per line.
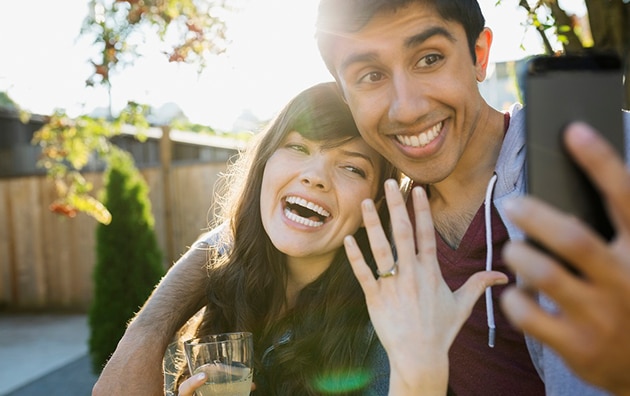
<point>305,212</point>
<point>301,220</point>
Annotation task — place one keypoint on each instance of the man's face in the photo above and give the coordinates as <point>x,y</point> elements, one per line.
<point>411,84</point>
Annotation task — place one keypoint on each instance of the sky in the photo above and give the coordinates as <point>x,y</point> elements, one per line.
<point>272,56</point>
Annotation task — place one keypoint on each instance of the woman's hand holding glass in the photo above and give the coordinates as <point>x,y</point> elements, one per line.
<point>220,365</point>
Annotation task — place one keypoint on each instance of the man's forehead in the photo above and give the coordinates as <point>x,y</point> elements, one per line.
<point>368,43</point>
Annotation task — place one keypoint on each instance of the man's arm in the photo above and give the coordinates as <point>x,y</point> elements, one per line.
<point>591,330</point>
<point>135,367</point>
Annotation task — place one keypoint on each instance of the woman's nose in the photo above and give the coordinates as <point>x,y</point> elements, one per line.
<point>314,182</point>
<point>316,176</point>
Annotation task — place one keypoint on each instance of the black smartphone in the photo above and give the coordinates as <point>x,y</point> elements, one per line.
<point>559,90</point>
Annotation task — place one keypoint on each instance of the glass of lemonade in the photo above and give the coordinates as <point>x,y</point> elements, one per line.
<point>227,361</point>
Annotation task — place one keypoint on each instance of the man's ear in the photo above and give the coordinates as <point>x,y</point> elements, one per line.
<point>482,52</point>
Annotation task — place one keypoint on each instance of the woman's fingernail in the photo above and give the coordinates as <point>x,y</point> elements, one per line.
<point>391,184</point>
<point>418,191</point>
<point>200,376</point>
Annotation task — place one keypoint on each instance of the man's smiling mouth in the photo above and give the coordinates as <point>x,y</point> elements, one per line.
<point>304,212</point>
<point>423,138</point>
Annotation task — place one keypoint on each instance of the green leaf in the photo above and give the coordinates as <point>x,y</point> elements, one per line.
<point>90,206</point>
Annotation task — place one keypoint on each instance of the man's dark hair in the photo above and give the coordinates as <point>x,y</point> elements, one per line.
<point>339,16</point>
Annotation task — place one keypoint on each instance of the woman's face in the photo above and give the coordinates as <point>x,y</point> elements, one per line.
<point>311,196</point>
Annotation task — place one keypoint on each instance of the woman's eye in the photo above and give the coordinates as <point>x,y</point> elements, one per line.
<point>429,60</point>
<point>297,147</point>
<point>372,77</point>
<point>356,170</point>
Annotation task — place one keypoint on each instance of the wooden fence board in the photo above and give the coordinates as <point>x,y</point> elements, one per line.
<point>193,185</point>
<point>6,246</point>
<point>57,251</point>
<point>28,242</point>
<point>46,261</point>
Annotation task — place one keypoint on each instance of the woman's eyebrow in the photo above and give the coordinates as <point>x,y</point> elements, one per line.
<point>358,154</point>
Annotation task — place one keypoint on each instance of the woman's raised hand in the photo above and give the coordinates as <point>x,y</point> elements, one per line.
<point>414,312</point>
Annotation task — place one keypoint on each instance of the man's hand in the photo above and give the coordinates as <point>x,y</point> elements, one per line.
<point>591,331</point>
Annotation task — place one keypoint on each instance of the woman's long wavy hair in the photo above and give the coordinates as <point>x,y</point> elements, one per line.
<point>247,284</point>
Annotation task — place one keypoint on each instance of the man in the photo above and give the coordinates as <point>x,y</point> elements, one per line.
<point>409,71</point>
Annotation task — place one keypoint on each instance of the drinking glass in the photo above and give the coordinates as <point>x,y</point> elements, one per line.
<point>227,361</point>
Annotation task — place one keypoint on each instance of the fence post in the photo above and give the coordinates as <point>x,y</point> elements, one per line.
<point>166,154</point>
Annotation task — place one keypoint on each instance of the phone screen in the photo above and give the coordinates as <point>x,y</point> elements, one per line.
<point>559,90</point>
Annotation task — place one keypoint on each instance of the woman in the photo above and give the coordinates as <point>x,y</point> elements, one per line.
<point>285,276</point>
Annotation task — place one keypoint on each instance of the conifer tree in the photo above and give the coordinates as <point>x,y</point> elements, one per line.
<point>128,258</point>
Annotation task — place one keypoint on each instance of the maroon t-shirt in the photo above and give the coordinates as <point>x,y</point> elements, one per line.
<point>476,368</point>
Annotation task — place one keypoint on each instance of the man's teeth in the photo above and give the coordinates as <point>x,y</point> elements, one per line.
<point>299,219</point>
<point>310,205</point>
<point>421,139</point>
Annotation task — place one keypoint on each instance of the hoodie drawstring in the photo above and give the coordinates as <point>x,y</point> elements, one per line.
<point>488,220</point>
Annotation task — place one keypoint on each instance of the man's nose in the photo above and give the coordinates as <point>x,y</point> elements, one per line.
<point>408,101</point>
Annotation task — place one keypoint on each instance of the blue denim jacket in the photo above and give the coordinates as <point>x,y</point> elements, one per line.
<point>374,360</point>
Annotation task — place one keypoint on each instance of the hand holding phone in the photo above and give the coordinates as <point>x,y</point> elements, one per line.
<point>560,90</point>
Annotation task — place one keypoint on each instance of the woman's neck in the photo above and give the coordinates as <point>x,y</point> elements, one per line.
<point>302,271</point>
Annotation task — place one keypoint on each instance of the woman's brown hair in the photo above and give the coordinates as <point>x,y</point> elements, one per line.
<point>247,282</point>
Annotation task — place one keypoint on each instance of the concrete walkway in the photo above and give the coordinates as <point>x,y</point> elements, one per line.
<point>44,354</point>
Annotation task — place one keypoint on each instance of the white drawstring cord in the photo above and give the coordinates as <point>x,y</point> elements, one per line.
<point>488,219</point>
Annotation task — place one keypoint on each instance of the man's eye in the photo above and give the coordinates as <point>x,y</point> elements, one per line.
<point>372,77</point>
<point>430,60</point>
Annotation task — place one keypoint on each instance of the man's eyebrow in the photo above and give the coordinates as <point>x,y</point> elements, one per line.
<point>410,42</point>
<point>421,37</point>
<point>358,58</point>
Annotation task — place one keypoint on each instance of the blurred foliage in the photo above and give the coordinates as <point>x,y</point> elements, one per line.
<point>6,101</point>
<point>193,27</point>
<point>606,28</point>
<point>185,125</point>
<point>607,24</point>
<point>69,144</point>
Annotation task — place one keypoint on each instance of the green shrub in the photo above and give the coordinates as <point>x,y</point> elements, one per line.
<point>128,259</point>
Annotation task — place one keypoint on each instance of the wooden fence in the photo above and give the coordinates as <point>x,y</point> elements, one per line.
<point>46,260</point>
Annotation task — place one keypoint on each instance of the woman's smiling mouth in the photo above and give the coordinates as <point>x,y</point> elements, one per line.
<point>304,212</point>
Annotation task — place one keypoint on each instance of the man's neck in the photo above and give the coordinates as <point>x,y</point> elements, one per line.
<point>455,200</point>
